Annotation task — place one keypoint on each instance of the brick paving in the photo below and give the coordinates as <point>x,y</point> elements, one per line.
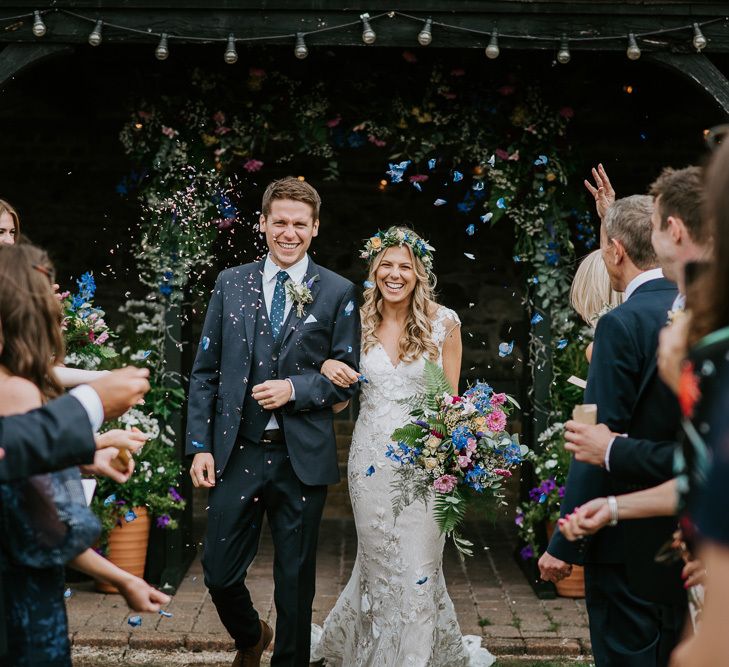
<point>489,591</point>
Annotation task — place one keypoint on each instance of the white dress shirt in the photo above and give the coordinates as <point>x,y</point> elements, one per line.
<point>91,402</point>
<point>296,274</point>
<point>640,279</point>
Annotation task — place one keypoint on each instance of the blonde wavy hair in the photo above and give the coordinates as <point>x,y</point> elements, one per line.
<point>417,339</point>
<point>591,294</point>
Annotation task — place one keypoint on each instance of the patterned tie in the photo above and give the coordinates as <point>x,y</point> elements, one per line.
<point>278,304</point>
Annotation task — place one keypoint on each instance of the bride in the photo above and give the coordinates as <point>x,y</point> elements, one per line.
<point>395,610</point>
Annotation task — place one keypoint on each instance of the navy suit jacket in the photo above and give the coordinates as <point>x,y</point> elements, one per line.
<point>623,381</point>
<point>219,377</point>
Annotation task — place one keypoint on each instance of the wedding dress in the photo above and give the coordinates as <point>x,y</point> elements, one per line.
<point>395,611</point>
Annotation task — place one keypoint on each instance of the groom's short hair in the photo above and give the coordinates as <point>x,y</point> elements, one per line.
<point>294,189</point>
<point>629,221</point>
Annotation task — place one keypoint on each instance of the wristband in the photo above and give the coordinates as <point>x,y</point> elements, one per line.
<point>612,502</point>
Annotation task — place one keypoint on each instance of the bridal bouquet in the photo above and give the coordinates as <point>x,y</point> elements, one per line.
<point>454,447</point>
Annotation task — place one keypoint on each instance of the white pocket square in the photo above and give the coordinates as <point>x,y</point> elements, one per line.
<point>310,319</point>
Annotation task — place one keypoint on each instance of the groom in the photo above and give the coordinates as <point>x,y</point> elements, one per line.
<point>260,421</point>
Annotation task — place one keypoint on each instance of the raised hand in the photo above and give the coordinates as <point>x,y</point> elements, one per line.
<point>602,191</point>
<point>339,373</point>
<point>202,470</point>
<point>121,389</point>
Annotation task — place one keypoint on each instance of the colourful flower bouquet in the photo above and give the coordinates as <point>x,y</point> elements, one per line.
<point>85,332</point>
<point>454,447</point>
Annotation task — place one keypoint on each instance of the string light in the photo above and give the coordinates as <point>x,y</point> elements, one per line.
<point>563,55</point>
<point>300,50</point>
<point>633,50</point>
<point>699,41</point>
<point>368,35</point>
<point>95,36</point>
<point>492,50</point>
<point>231,55</point>
<point>39,28</point>
<point>425,36</point>
<point>162,51</point>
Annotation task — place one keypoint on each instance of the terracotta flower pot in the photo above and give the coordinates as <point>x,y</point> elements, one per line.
<point>128,547</point>
<point>574,585</point>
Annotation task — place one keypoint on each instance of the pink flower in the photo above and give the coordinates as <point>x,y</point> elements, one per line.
<point>501,153</point>
<point>464,461</point>
<point>103,337</point>
<point>498,399</point>
<point>419,178</point>
<point>334,121</point>
<point>92,335</point>
<point>252,165</point>
<point>567,112</point>
<point>377,142</point>
<point>496,420</point>
<point>503,473</point>
<point>471,445</point>
<point>64,295</point>
<point>409,57</point>
<point>445,483</point>
<point>514,156</point>
<point>169,132</point>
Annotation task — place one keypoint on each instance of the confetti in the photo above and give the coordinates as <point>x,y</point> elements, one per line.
<point>471,230</point>
<point>457,176</point>
<point>166,614</point>
<point>431,163</point>
<point>537,318</point>
<point>516,259</point>
<point>500,203</point>
<point>67,593</point>
<point>135,621</point>
<point>205,343</point>
<point>109,500</point>
<point>368,284</point>
<point>469,255</point>
<point>145,354</point>
<point>478,186</point>
<point>562,343</point>
<point>417,186</point>
<point>349,308</point>
<point>421,581</point>
<point>542,159</point>
<point>486,217</point>
<point>349,349</point>
<point>397,170</point>
<point>370,471</point>
<point>197,445</point>
<point>505,349</point>
<point>439,202</point>
<point>363,378</point>
<point>130,516</point>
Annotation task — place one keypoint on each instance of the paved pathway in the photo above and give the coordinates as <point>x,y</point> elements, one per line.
<point>490,594</point>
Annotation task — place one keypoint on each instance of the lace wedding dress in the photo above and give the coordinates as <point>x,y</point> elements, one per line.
<point>395,610</point>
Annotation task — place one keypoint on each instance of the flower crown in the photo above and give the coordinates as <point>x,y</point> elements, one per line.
<point>399,237</point>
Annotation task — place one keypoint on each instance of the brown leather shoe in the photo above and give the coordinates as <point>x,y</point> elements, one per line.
<point>251,657</point>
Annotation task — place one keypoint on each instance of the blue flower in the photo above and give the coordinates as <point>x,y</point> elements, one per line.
<point>460,436</point>
<point>165,289</point>
<point>457,176</point>
<point>474,477</point>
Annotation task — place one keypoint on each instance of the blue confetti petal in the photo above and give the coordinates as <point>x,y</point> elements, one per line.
<point>349,349</point>
<point>471,230</point>
<point>516,259</point>
<point>363,378</point>
<point>537,318</point>
<point>135,621</point>
<point>146,353</point>
<point>492,161</point>
<point>457,176</point>
<point>562,343</point>
<point>421,581</point>
<point>197,445</point>
<point>109,500</point>
<point>166,614</point>
<point>439,202</point>
<point>368,284</point>
<point>505,349</point>
<point>478,186</point>
<point>130,516</point>
<point>370,471</point>
<point>542,159</point>
<point>487,216</point>
<point>67,593</point>
<point>431,163</point>
<point>349,309</point>
<point>417,186</point>
<point>205,343</point>
<point>500,203</point>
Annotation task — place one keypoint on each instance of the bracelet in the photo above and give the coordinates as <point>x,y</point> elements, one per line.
<point>612,502</point>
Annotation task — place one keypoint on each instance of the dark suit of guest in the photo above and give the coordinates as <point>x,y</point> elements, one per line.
<point>636,606</point>
<point>283,474</point>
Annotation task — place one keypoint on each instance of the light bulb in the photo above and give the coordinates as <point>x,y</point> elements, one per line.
<point>300,50</point>
<point>162,51</point>
<point>231,55</point>
<point>39,28</point>
<point>368,35</point>
<point>492,50</point>
<point>633,51</point>
<point>425,36</point>
<point>95,36</point>
<point>699,41</point>
<point>563,55</point>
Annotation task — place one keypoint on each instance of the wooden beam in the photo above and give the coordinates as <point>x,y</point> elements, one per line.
<point>700,70</point>
<point>16,57</point>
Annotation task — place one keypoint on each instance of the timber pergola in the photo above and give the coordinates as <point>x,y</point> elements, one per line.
<point>596,27</point>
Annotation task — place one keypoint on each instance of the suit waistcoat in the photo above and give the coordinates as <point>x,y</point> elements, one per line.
<point>264,366</point>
